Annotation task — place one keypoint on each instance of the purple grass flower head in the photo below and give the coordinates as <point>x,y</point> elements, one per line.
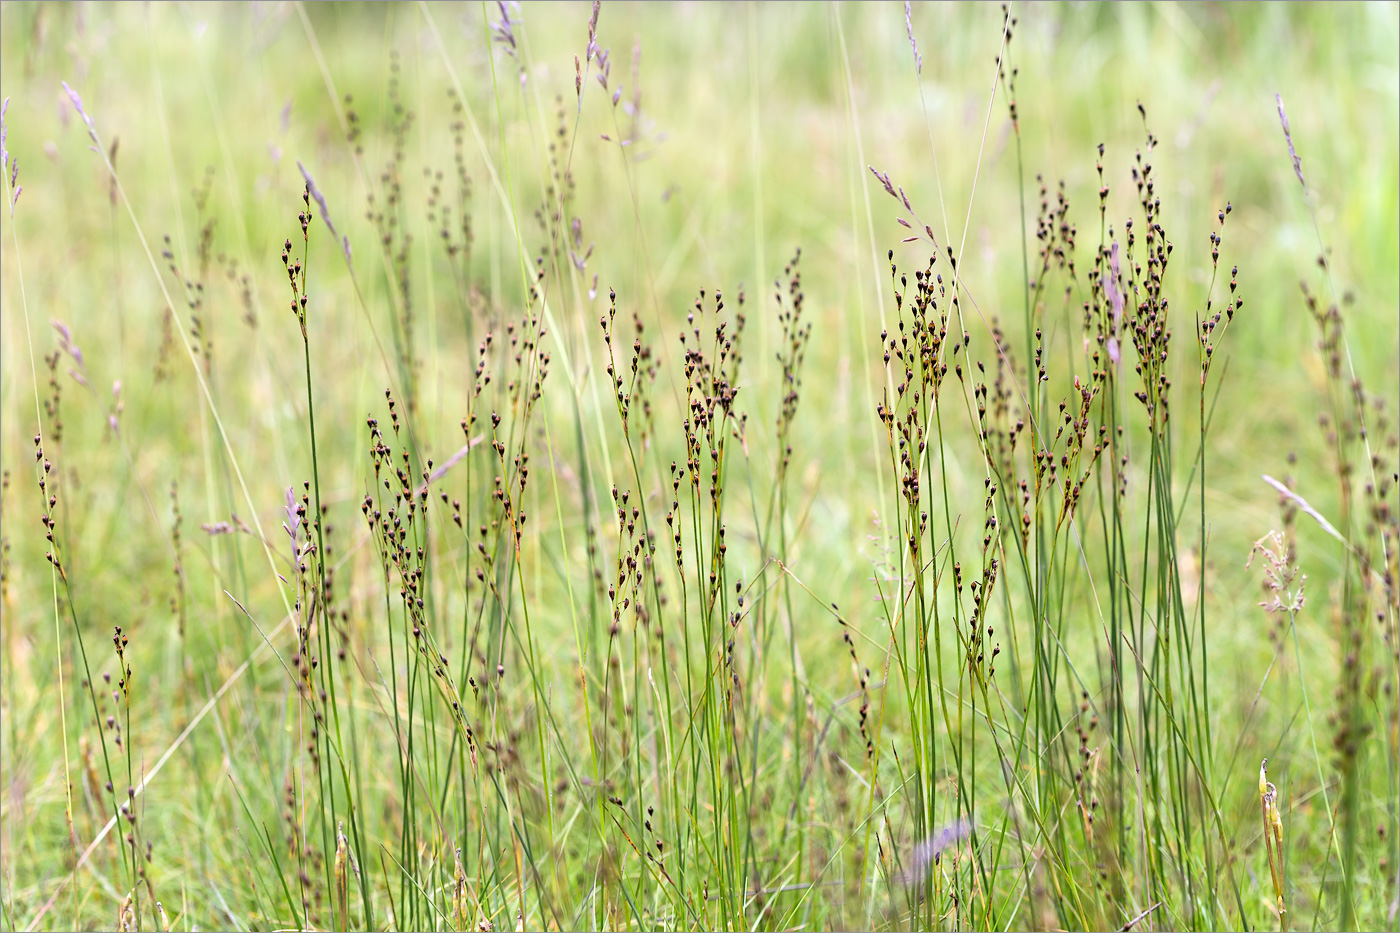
<point>320,200</point>
<point>66,344</point>
<point>78,106</point>
<point>115,412</point>
<point>504,31</point>
<point>592,33</point>
<point>293,521</point>
<point>927,853</point>
<point>1288,137</point>
<point>884,180</point>
<point>10,166</point>
<point>604,68</point>
<point>1115,300</point>
<point>913,43</point>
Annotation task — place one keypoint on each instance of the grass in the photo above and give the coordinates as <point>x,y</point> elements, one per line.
<point>733,466</point>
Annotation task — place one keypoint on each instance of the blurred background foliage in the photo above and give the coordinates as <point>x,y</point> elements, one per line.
<point>755,126</point>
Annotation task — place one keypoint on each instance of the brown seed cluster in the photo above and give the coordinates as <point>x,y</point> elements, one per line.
<point>796,334</point>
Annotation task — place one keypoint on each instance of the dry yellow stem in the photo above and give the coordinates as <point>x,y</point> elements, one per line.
<point>1273,839</point>
<point>342,878</point>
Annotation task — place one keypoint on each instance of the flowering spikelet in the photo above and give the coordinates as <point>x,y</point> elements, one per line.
<point>342,241</point>
<point>459,894</point>
<point>342,878</point>
<point>126,913</point>
<point>1273,838</point>
<point>927,853</point>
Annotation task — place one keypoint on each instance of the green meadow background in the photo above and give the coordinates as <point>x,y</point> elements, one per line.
<point>749,131</point>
